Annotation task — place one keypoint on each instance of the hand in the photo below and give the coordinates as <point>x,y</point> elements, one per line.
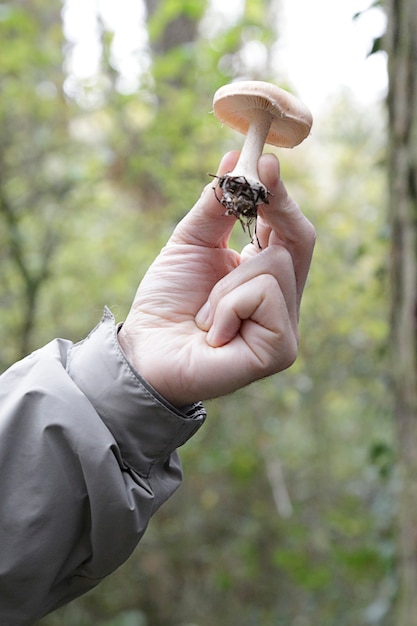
<point>206,320</point>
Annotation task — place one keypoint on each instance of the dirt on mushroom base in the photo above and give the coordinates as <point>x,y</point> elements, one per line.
<point>264,113</point>
<point>241,198</point>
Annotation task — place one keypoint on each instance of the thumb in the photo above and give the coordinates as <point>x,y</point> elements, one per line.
<point>206,224</point>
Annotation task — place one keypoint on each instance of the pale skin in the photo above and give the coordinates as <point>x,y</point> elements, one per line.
<point>207,320</point>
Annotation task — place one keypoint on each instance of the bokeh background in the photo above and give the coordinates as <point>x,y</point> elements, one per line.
<point>288,511</point>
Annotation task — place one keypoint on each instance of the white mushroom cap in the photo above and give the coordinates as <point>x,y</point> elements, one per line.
<point>238,103</point>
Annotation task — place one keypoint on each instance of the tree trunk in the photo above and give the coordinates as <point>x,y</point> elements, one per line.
<point>402,163</point>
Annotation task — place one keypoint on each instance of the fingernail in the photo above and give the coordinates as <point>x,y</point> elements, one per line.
<point>202,316</point>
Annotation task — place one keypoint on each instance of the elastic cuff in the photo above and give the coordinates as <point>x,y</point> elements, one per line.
<point>146,427</point>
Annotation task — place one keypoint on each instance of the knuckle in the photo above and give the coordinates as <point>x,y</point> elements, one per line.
<point>282,357</point>
<point>282,257</point>
<point>266,282</point>
<point>292,354</point>
<point>310,232</point>
<point>288,354</point>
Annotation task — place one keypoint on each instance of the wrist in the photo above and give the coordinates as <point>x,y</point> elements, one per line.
<point>151,377</point>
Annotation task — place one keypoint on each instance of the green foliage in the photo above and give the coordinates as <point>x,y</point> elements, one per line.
<point>168,12</point>
<point>33,179</point>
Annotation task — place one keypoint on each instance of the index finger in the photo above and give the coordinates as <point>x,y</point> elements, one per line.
<point>282,222</point>
<point>206,224</point>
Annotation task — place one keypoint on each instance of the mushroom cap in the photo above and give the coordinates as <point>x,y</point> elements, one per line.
<point>236,104</point>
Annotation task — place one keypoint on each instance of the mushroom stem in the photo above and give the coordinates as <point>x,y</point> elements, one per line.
<point>242,191</point>
<point>247,164</point>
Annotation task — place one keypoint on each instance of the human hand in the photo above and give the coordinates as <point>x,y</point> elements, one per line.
<point>206,320</point>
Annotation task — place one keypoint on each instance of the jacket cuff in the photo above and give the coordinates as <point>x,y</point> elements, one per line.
<point>145,426</point>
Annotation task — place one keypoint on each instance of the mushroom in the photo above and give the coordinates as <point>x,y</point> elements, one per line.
<point>265,113</point>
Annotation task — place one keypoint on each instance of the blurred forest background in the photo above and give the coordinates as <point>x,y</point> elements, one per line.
<point>288,511</point>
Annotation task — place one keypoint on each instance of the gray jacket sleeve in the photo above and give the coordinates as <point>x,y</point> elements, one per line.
<point>87,455</point>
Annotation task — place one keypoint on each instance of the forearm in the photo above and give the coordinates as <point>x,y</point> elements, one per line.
<point>87,454</point>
